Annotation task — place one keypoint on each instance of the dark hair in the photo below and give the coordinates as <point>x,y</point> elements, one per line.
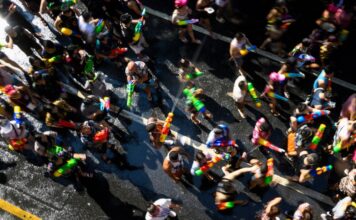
<point>328,94</point>
<point>126,18</point>
<point>173,155</point>
<point>200,156</point>
<point>150,127</point>
<point>48,44</point>
<point>350,212</point>
<point>86,16</point>
<point>329,69</point>
<point>266,127</point>
<point>150,208</point>
<point>242,84</point>
<point>306,42</point>
<point>239,35</point>
<point>218,130</point>
<point>302,107</point>
<point>291,61</point>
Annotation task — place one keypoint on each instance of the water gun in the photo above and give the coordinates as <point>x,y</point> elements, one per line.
<point>55,150</point>
<point>101,136</point>
<point>224,143</point>
<point>118,51</point>
<point>207,165</point>
<point>130,90</point>
<point>194,75</point>
<point>198,105</point>
<point>18,115</point>
<point>276,96</point>
<point>70,164</point>
<point>66,124</point>
<point>69,2</point>
<point>306,57</point>
<point>105,103</point>
<point>138,27</point>
<point>17,144</point>
<point>225,205</point>
<point>245,51</point>
<point>166,126</point>
<point>99,27</point>
<point>89,65</point>
<point>54,59</point>
<point>338,147</point>
<point>320,170</point>
<point>270,171</point>
<point>293,75</point>
<point>317,137</point>
<point>268,144</point>
<point>186,22</point>
<point>314,115</point>
<point>69,32</point>
<point>253,94</point>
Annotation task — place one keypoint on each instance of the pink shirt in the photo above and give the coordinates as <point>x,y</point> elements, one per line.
<point>257,133</point>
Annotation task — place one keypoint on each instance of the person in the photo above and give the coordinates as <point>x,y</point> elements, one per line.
<point>344,209</point>
<point>161,209</point>
<point>185,68</point>
<point>21,96</point>
<point>238,48</point>
<point>303,212</point>
<point>239,94</point>
<point>15,134</point>
<point>154,128</point>
<point>226,192</point>
<point>344,136</point>
<point>324,79</point>
<point>271,210</point>
<point>198,93</point>
<point>67,19</point>
<point>349,108</point>
<point>276,84</point>
<point>201,159</point>
<point>321,99</point>
<point>87,24</point>
<point>127,27</point>
<point>220,133</point>
<point>173,163</point>
<point>137,73</point>
<point>181,13</point>
<point>202,7</point>
<point>262,129</point>
<point>221,6</point>
<point>306,162</point>
<point>23,38</point>
<point>347,185</point>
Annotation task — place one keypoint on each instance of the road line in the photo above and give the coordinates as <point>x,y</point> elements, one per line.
<point>16,211</point>
<point>258,51</point>
<point>200,146</point>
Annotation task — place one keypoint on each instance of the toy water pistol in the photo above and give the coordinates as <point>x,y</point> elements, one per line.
<point>270,171</point>
<point>105,103</point>
<point>100,26</point>
<point>118,51</point>
<point>186,22</point>
<point>70,164</point>
<point>294,75</point>
<point>317,137</point>
<point>252,91</point>
<point>248,49</point>
<point>101,136</point>
<point>338,147</point>
<point>55,150</point>
<point>268,144</point>
<point>166,126</point>
<point>225,205</point>
<point>194,75</point>
<point>276,96</point>
<point>314,115</point>
<point>69,32</point>
<point>89,65</point>
<point>138,27</point>
<point>18,115</point>
<point>54,59</point>
<point>208,165</point>
<point>224,143</point>
<point>320,170</point>
<point>66,124</point>
<point>198,105</point>
<point>130,90</point>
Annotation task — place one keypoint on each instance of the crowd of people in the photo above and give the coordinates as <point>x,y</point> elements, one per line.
<point>61,88</point>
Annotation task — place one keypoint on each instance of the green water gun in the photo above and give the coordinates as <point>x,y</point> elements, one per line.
<point>70,164</point>
<point>130,90</point>
<point>198,105</point>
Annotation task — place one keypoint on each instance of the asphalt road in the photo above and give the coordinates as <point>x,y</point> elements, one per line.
<point>114,193</point>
